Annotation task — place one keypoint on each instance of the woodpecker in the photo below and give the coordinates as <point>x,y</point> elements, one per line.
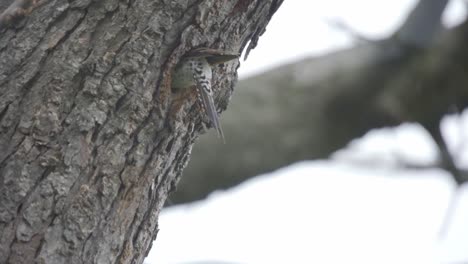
<point>194,71</point>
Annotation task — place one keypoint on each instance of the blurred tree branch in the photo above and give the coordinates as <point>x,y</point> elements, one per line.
<point>309,109</point>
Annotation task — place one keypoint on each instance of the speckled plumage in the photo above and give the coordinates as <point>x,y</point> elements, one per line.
<point>194,70</point>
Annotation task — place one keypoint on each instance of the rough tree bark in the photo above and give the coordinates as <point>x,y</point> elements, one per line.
<point>91,137</point>
<point>309,109</point>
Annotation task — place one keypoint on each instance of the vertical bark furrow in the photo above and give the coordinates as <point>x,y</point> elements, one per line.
<point>89,126</point>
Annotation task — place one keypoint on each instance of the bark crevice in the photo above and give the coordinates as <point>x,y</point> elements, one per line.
<point>87,99</point>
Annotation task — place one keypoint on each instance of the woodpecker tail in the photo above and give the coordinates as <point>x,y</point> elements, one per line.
<point>205,96</point>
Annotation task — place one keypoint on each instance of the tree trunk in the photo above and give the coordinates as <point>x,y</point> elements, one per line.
<point>92,138</point>
<point>313,107</point>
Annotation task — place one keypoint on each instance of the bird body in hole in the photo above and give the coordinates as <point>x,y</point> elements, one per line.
<point>195,70</point>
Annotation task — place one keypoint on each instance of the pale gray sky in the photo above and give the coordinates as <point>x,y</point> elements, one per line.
<point>300,28</point>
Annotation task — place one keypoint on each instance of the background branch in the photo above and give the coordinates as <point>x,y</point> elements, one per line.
<point>309,109</point>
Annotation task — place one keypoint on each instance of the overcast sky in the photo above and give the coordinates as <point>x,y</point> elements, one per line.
<point>301,28</point>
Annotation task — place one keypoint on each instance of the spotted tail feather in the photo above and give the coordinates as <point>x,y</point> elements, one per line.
<point>205,96</point>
